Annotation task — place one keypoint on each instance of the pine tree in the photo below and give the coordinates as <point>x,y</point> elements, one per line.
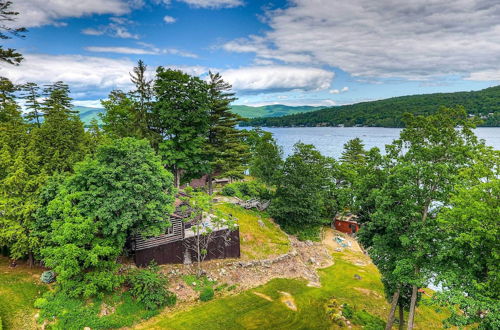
<point>9,55</point>
<point>142,94</point>
<point>225,149</point>
<point>57,99</point>
<point>31,95</point>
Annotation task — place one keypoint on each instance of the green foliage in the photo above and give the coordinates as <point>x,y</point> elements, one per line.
<point>224,149</point>
<point>266,161</point>
<point>117,118</point>
<point>422,170</point>
<point>148,286</point>
<point>207,294</point>
<point>9,55</point>
<point>390,112</point>
<point>124,190</point>
<point>247,190</point>
<point>299,198</point>
<point>121,310</point>
<point>367,320</point>
<point>470,226</point>
<point>181,119</point>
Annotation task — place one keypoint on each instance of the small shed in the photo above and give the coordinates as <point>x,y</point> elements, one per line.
<point>346,223</point>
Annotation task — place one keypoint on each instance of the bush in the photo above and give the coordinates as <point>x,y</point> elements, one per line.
<point>207,294</point>
<point>148,287</point>
<point>247,190</point>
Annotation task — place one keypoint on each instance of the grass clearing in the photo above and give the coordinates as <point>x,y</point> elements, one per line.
<point>19,287</point>
<point>250,310</point>
<point>257,242</point>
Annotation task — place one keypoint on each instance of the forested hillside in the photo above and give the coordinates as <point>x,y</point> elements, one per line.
<point>389,112</point>
<point>275,110</point>
<point>245,111</point>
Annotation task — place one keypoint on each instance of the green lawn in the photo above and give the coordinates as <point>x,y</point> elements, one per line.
<point>19,287</point>
<point>257,242</point>
<point>250,311</point>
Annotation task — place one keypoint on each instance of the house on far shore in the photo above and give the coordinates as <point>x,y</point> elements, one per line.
<point>346,223</point>
<point>175,246</point>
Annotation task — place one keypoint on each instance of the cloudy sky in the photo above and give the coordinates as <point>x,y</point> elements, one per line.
<point>317,52</point>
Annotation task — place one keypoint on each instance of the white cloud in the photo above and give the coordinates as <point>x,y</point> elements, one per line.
<point>42,12</point>
<point>169,19</point>
<point>338,91</point>
<point>88,103</point>
<point>489,75</point>
<point>278,78</point>
<point>118,28</point>
<point>213,3</point>
<point>148,49</point>
<point>86,75</point>
<point>120,50</point>
<point>80,72</point>
<point>416,40</point>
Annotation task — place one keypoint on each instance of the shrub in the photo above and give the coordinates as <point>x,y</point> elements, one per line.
<point>229,190</point>
<point>247,190</point>
<point>207,294</point>
<point>148,287</point>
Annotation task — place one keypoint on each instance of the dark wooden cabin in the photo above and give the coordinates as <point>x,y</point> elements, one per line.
<point>346,223</point>
<point>173,247</point>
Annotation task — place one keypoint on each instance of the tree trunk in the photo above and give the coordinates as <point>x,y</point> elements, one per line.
<point>210,186</point>
<point>401,316</point>
<point>413,302</point>
<point>177,175</point>
<point>394,304</point>
<point>30,259</point>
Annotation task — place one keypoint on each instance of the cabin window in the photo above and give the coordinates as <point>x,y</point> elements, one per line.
<point>170,230</point>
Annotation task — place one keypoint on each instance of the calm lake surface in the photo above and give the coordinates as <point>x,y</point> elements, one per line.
<point>330,140</point>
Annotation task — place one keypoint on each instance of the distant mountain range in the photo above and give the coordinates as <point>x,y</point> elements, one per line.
<point>484,104</point>
<point>277,110</point>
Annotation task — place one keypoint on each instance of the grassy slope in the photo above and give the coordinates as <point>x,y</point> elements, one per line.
<point>19,287</point>
<point>249,311</point>
<point>257,242</point>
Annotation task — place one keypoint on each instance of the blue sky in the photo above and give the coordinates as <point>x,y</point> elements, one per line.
<point>316,52</point>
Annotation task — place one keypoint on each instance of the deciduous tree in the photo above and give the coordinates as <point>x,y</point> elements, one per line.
<point>123,191</point>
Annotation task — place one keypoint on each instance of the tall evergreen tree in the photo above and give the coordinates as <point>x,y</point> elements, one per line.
<point>31,95</point>
<point>7,15</point>
<point>225,149</point>
<point>57,99</point>
<point>181,120</point>
<point>143,95</point>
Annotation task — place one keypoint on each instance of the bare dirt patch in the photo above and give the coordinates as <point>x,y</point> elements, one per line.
<point>368,292</point>
<point>302,262</point>
<point>263,296</point>
<point>288,300</point>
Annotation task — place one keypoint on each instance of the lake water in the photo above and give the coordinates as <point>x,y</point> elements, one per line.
<point>330,140</point>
